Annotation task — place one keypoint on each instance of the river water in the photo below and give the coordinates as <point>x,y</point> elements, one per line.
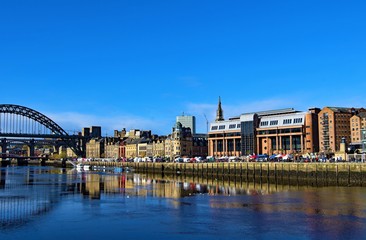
<point>53,203</point>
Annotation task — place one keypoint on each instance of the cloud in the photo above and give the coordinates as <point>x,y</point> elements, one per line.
<point>74,122</point>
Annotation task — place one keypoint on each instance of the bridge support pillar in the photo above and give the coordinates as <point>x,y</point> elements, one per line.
<point>3,149</point>
<point>31,148</point>
<point>22,162</point>
<point>63,163</point>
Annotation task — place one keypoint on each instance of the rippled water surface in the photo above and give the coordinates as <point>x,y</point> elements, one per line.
<point>51,203</point>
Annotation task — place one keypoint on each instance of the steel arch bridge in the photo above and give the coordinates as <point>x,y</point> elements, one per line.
<point>21,122</point>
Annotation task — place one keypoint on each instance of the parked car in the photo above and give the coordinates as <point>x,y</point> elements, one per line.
<point>179,160</point>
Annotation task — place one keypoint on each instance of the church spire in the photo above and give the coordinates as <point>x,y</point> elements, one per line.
<point>219,112</point>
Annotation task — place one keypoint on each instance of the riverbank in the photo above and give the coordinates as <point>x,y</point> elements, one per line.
<point>336,174</point>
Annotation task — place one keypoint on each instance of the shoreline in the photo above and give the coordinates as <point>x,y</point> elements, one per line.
<point>332,174</point>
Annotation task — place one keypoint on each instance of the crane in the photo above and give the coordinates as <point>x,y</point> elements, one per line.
<point>206,123</point>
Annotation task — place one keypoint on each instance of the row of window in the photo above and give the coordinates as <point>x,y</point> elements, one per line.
<point>222,127</point>
<point>298,120</point>
<point>285,121</point>
<point>279,131</point>
<point>285,143</point>
<point>273,122</point>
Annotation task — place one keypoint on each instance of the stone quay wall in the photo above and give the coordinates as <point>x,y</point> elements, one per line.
<point>336,174</point>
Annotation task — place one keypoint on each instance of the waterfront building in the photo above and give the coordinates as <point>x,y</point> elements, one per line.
<point>179,142</point>
<point>156,146</point>
<point>363,137</point>
<point>168,148</point>
<point>85,132</point>
<point>120,134</point>
<point>357,123</point>
<point>131,147</point>
<point>248,125</point>
<point>136,133</point>
<point>150,149</point>
<point>187,122</point>
<point>136,147</point>
<point>142,147</point>
<point>133,143</point>
<point>335,124</point>
<point>95,148</point>
<point>159,146</point>
<point>287,132</point>
<point>224,138</point>
<point>92,132</point>
<point>122,148</point>
<point>111,148</point>
<point>266,132</point>
<point>199,146</point>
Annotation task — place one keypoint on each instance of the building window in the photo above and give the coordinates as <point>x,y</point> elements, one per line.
<point>238,125</point>
<point>273,122</point>
<point>286,143</point>
<point>231,126</point>
<point>298,120</point>
<point>221,127</point>
<point>214,128</point>
<point>287,121</point>
<point>265,123</point>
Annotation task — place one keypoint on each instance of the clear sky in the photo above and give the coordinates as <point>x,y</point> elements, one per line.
<point>139,64</point>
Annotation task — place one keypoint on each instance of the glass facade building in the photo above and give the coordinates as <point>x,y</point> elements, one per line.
<point>187,122</point>
<point>248,143</point>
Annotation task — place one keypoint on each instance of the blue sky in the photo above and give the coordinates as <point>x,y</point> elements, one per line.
<point>138,64</point>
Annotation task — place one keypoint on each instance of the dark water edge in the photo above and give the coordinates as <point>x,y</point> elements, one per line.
<point>55,203</point>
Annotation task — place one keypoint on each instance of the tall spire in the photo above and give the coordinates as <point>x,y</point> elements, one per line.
<point>219,112</point>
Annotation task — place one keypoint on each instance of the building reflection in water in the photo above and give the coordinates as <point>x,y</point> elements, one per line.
<point>26,192</point>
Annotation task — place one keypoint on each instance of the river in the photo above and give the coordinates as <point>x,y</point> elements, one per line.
<point>54,203</point>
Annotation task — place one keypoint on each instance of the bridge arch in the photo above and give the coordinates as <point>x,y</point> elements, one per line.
<point>34,115</point>
<point>43,120</point>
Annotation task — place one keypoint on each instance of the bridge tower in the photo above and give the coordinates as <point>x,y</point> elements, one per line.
<point>31,146</point>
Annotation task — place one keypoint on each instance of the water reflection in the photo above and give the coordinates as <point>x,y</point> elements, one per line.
<point>26,192</point>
